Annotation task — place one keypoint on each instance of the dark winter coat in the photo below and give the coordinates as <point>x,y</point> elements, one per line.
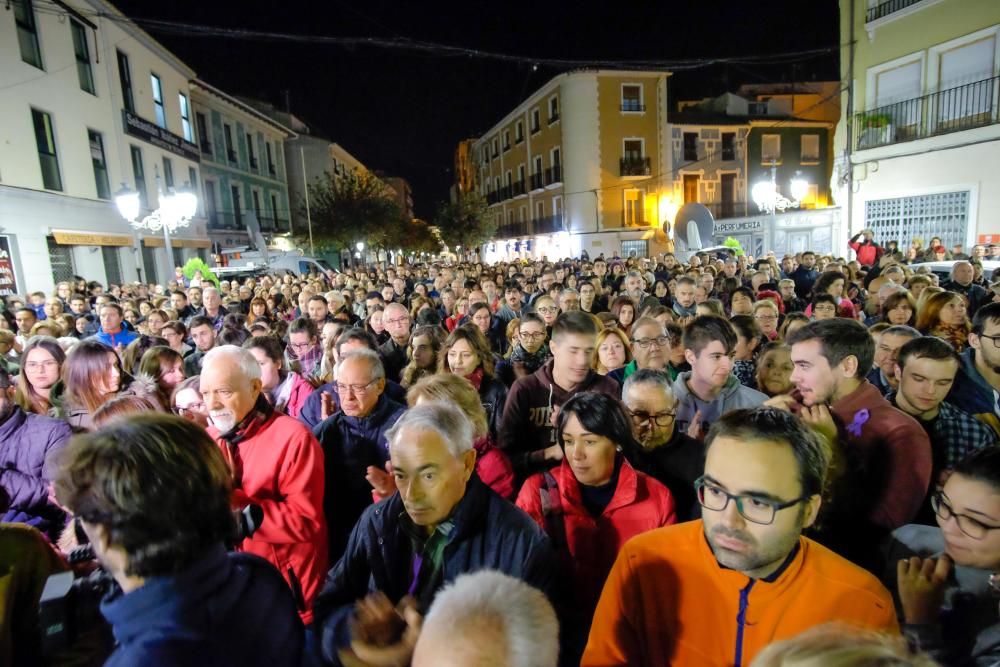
<point>26,441</point>
<point>213,613</point>
<point>311,411</point>
<point>489,533</point>
<point>350,445</point>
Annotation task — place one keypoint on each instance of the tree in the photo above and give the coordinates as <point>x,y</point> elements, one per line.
<point>415,236</point>
<point>464,222</point>
<point>350,208</point>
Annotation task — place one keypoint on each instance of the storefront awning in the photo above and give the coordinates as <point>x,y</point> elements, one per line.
<point>90,238</point>
<point>153,242</point>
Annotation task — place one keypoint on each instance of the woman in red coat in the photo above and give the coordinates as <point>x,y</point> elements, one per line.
<point>592,504</point>
<point>285,390</point>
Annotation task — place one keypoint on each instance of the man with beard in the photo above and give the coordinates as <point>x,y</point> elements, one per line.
<point>978,381</point>
<point>749,576</point>
<point>277,465</point>
<point>668,455</point>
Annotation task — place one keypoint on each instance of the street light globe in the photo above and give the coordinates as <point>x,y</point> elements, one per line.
<point>799,188</point>
<point>360,246</point>
<point>128,203</point>
<point>187,203</point>
<point>763,194</point>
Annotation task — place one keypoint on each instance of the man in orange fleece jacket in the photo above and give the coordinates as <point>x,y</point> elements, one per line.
<point>717,591</point>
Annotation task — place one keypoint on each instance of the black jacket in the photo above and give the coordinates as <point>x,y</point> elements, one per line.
<point>973,293</point>
<point>489,533</point>
<point>493,395</point>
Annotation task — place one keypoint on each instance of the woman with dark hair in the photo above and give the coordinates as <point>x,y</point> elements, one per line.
<point>623,308</point>
<point>944,577</point>
<point>259,312</point>
<point>286,390</point>
<point>165,366</point>
<point>833,283</point>
<point>423,352</point>
<point>591,504</point>
<point>41,364</point>
<point>374,326</point>
<point>91,376</point>
<point>467,353</point>
<point>138,347</point>
<point>899,308</point>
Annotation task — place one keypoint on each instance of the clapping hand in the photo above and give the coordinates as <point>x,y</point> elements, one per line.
<point>382,635</point>
<point>922,583</point>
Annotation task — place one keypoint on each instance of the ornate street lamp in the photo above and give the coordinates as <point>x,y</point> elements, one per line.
<point>175,209</point>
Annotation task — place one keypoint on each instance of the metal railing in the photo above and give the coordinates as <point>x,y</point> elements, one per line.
<point>536,181</point>
<point>634,166</point>
<point>550,224</point>
<point>512,230</point>
<point>883,9</point>
<point>553,175</point>
<point>952,110</point>
<point>518,189</point>
<point>629,105</point>
<point>727,209</point>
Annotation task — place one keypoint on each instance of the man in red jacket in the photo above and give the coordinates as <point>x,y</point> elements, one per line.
<point>277,465</point>
<point>868,252</point>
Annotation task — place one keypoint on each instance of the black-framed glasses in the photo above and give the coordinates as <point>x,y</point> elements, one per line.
<point>659,418</point>
<point>995,339</point>
<point>357,389</point>
<point>752,508</point>
<point>974,528</point>
<point>192,408</point>
<point>645,343</point>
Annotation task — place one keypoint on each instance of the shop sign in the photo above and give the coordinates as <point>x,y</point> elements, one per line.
<point>156,135</point>
<point>743,226</point>
<point>87,238</point>
<point>8,279</point>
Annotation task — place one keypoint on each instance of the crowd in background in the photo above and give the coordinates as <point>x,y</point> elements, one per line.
<point>608,461</point>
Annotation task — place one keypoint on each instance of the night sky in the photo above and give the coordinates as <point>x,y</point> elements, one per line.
<point>402,112</point>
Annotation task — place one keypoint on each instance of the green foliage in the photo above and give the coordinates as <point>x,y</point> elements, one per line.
<point>357,206</point>
<point>464,222</point>
<point>730,242</point>
<point>197,264</point>
<point>876,120</point>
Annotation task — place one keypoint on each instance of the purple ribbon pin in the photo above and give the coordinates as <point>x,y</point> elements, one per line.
<point>860,417</point>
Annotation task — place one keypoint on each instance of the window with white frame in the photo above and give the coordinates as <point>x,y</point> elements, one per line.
<point>186,129</point>
<point>557,207</point>
<point>632,97</point>
<point>506,140</point>
<point>539,210</point>
<point>161,113</point>
<point>553,109</point>
<point>536,123</point>
<point>519,132</point>
<point>897,84</point>
<point>770,148</point>
<point>810,149</point>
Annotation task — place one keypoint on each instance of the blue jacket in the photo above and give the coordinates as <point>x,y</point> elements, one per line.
<point>313,407</point>
<point>123,337</point>
<point>973,394</point>
<point>350,445</point>
<point>489,533</point>
<point>226,609</point>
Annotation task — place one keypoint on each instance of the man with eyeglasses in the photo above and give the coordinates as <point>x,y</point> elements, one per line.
<point>354,444</point>
<point>668,455</point>
<point>396,320</point>
<point>718,590</point>
<point>977,385</point>
<point>650,349</point>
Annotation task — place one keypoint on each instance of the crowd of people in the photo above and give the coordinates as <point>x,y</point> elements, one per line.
<point>721,460</point>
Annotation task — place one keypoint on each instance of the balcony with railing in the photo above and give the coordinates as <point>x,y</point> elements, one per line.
<point>553,175</point>
<point>634,166</point>
<point>492,197</point>
<point>883,9</point>
<point>633,105</point>
<point>550,224</point>
<point>518,189</point>
<point>536,181</point>
<point>726,209</point>
<point>512,230</point>
<point>952,110</point>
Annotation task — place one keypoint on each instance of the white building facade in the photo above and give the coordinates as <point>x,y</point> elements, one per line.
<point>90,103</point>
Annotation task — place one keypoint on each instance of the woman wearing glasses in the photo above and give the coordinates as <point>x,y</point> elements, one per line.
<point>946,579</point>
<point>591,504</point>
<point>42,363</point>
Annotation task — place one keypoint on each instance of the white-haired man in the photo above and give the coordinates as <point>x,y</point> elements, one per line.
<point>442,522</point>
<point>277,465</point>
<point>489,618</point>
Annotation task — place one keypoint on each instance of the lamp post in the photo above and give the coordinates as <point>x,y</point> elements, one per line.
<point>175,209</point>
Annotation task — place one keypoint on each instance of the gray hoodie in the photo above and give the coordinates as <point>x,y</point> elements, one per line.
<point>732,397</point>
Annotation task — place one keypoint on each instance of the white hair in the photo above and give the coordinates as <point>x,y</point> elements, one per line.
<point>207,290</point>
<point>445,419</point>
<point>651,380</point>
<point>521,618</point>
<point>236,355</point>
<point>374,361</point>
